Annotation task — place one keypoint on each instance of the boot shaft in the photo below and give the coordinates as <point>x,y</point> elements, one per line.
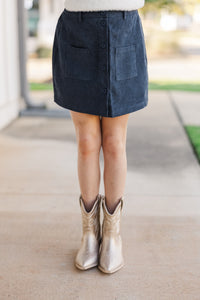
<point>91,219</point>
<point>111,222</point>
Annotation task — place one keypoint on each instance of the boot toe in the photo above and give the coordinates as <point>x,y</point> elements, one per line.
<point>84,263</point>
<point>110,267</point>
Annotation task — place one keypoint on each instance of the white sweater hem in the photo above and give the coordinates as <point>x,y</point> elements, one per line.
<point>95,5</point>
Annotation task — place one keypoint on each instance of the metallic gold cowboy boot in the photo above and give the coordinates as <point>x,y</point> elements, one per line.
<point>111,257</point>
<point>88,254</point>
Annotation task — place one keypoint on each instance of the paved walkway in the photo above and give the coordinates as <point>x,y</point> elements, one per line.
<point>188,106</point>
<point>40,224</point>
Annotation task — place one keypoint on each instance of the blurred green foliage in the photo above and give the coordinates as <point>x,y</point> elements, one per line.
<point>161,3</point>
<point>43,52</point>
<point>178,6</point>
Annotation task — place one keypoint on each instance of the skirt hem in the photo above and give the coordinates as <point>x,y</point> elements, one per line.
<point>130,109</point>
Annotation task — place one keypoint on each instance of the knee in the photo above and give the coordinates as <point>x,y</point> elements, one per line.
<point>88,144</point>
<point>113,146</point>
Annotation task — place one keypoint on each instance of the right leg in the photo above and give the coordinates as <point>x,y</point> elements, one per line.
<point>88,134</point>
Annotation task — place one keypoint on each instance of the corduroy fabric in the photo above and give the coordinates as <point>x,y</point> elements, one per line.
<point>100,63</point>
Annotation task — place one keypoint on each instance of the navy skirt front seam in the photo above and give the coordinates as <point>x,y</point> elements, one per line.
<point>99,62</point>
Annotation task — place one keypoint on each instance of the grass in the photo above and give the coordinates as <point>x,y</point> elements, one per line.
<point>34,86</point>
<point>194,136</point>
<point>153,85</point>
<point>175,86</point>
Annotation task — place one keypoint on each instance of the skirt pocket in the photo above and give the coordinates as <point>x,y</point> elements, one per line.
<point>80,62</point>
<point>125,62</point>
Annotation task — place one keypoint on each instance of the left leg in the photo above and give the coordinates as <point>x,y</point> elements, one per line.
<point>114,132</point>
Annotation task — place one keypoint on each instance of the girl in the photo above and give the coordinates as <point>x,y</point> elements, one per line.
<point>100,74</point>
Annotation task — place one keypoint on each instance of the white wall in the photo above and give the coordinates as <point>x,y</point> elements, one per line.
<point>9,62</point>
<point>49,11</point>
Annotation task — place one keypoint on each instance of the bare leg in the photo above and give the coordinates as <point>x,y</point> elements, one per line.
<point>88,134</point>
<point>114,132</point>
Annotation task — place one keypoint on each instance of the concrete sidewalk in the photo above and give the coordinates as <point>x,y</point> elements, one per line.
<point>188,106</point>
<point>40,224</point>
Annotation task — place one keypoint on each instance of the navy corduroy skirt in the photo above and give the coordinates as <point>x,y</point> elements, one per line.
<point>99,62</point>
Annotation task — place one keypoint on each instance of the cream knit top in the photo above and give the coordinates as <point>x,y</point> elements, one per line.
<point>93,5</point>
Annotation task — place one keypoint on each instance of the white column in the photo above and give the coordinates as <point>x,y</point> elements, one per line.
<point>9,62</point>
